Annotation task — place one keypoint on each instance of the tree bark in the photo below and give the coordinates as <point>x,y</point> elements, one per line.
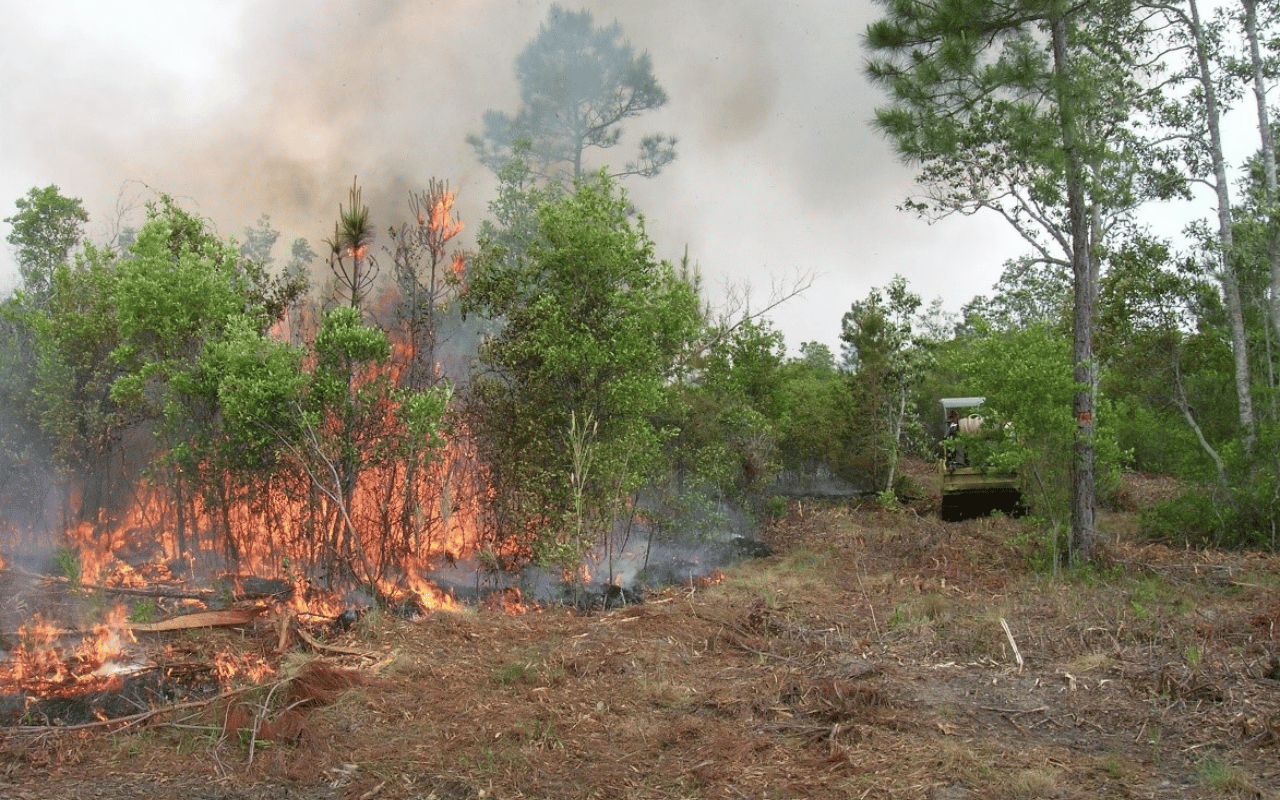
<point>1083,535</point>
<point>1226,239</point>
<point>1265,135</point>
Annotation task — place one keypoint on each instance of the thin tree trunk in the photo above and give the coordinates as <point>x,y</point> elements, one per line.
<point>1180,397</point>
<point>1272,191</point>
<point>1084,535</point>
<point>180,509</point>
<point>894,453</point>
<point>1226,239</point>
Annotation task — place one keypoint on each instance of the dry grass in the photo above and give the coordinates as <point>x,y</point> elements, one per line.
<point>867,659</point>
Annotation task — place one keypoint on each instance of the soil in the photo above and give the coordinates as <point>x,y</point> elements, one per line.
<point>879,653</point>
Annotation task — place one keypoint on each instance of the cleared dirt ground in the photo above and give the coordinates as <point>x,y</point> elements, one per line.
<point>879,654</point>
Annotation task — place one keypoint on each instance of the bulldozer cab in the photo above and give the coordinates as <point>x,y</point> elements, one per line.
<point>969,490</point>
<point>961,416</point>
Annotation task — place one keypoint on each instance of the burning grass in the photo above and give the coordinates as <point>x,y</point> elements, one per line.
<point>876,655</point>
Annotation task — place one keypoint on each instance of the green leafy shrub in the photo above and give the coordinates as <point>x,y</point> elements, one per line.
<point>68,564</point>
<point>1188,519</point>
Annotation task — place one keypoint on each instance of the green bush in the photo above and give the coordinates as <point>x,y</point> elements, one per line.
<point>1191,519</point>
<point>67,562</point>
<point>1252,515</point>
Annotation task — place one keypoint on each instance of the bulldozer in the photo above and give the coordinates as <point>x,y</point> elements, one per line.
<point>971,490</point>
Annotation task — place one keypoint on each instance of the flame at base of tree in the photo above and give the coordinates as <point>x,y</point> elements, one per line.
<point>402,520</point>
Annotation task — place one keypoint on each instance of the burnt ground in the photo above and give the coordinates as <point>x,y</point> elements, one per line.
<point>877,654</point>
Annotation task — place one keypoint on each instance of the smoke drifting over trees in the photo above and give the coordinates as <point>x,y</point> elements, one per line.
<point>263,107</point>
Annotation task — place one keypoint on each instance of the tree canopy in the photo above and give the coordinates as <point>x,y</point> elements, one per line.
<point>1025,109</point>
<point>592,325</point>
<point>579,84</point>
<point>603,395</point>
<point>45,230</point>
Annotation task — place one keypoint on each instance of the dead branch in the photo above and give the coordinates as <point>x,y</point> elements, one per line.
<point>202,619</point>
<point>737,309</point>
<point>177,594</point>
<point>124,722</point>
<point>330,648</point>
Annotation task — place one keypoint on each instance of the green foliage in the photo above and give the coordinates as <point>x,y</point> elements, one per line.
<point>344,344</point>
<point>144,611</point>
<point>578,85</point>
<point>1165,337</point>
<point>1031,110</point>
<point>67,562</point>
<point>747,364</point>
<point>1026,377</point>
<point>259,241</point>
<point>66,379</point>
<point>728,414</point>
<point>532,670</point>
<point>592,326</point>
<point>22,454</point>
<point>44,231</point>
<point>740,407</point>
<point>179,292</point>
<point>184,302</point>
<point>1223,778</point>
<point>55,332</point>
<point>238,414</point>
<point>1241,515</point>
<point>513,226</point>
<point>581,530</point>
<point>887,360</point>
<point>819,409</point>
<point>1158,359</point>
<point>817,356</point>
<point>1158,441</point>
<point>333,421</point>
<point>260,384</point>
<point>986,115</point>
<point>1044,543</point>
<point>422,415</point>
<point>350,258</point>
<point>179,289</point>
<point>888,501</point>
<point>1028,292</point>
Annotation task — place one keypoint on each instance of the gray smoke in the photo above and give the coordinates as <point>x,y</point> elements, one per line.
<point>264,106</point>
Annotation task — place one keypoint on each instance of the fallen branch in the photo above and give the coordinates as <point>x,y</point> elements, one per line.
<point>1008,633</point>
<point>369,795</point>
<point>124,722</point>
<point>330,648</point>
<point>201,619</point>
<point>175,594</point>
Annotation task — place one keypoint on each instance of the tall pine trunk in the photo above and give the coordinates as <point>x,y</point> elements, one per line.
<point>1084,534</point>
<point>1226,239</point>
<point>1270,183</point>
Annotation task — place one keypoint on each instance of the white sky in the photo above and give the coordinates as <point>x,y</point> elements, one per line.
<point>245,107</point>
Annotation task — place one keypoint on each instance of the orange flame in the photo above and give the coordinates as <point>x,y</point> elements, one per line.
<point>229,667</point>
<point>508,600</point>
<point>273,535</point>
<point>42,660</point>
<point>401,519</point>
<point>442,220</point>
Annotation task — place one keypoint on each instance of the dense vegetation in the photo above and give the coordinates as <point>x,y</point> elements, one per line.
<point>335,419</point>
